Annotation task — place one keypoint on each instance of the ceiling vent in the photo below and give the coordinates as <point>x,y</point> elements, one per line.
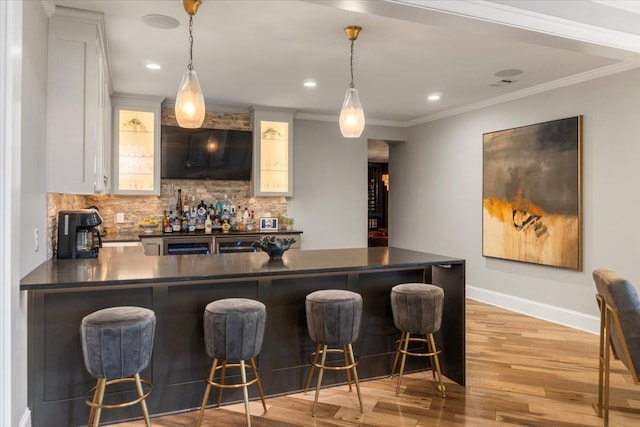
<point>503,82</point>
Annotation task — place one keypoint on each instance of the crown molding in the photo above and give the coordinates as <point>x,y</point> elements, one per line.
<point>545,87</point>
<point>533,21</point>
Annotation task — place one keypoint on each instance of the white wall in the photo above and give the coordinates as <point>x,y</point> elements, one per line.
<point>10,63</point>
<point>32,177</point>
<point>437,181</point>
<point>28,201</point>
<point>329,200</point>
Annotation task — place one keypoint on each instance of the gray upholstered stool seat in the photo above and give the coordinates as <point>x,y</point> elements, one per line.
<point>333,322</point>
<point>233,334</point>
<point>417,309</point>
<point>117,343</point>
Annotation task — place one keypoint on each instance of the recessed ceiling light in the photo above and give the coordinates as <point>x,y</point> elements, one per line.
<point>434,97</point>
<point>153,66</point>
<point>162,22</point>
<point>310,83</point>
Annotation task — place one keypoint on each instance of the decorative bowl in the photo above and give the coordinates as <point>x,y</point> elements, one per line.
<point>149,226</point>
<point>275,247</point>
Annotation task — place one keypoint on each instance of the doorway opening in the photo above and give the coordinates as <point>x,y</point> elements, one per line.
<point>378,193</point>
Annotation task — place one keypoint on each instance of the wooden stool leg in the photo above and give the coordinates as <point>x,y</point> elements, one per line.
<point>143,403</point>
<point>355,375</point>
<point>98,395</point>
<point>320,372</point>
<point>255,372</point>
<point>402,362</point>
<point>436,364</point>
<point>315,360</point>
<point>207,390</point>
<point>245,392</point>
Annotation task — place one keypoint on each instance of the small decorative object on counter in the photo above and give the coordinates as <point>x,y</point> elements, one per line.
<point>274,246</point>
<point>148,225</point>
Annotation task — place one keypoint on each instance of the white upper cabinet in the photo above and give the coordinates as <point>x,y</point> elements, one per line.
<point>136,144</point>
<point>78,104</point>
<point>272,152</point>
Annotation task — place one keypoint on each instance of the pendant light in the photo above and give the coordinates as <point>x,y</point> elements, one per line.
<point>352,115</point>
<point>190,107</point>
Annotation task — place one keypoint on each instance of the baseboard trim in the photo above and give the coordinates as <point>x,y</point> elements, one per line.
<point>25,421</point>
<point>550,313</point>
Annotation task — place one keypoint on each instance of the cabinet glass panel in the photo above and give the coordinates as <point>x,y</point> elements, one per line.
<point>274,156</point>
<point>136,150</point>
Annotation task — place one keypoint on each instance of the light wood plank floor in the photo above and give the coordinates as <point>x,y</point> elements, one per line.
<point>520,371</point>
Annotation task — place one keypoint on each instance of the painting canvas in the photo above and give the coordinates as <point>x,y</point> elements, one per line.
<point>532,193</point>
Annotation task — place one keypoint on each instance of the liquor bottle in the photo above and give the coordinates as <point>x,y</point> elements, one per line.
<point>172,198</point>
<point>179,202</point>
<point>168,227</point>
<point>185,204</point>
<point>246,217</point>
<point>201,215</point>
<point>184,222</point>
<point>208,225</point>
<point>226,206</point>
<point>177,222</point>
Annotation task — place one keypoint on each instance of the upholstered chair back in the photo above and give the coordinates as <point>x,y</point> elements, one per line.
<point>623,297</point>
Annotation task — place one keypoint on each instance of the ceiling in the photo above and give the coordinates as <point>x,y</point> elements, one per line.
<point>259,52</point>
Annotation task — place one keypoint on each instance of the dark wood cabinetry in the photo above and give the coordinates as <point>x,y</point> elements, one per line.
<point>177,289</point>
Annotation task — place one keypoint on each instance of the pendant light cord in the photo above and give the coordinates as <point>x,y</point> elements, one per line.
<point>351,65</point>
<point>190,66</point>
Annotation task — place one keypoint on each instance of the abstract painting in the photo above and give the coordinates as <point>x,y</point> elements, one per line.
<point>531,193</point>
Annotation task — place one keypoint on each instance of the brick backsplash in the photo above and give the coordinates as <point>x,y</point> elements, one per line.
<point>137,208</point>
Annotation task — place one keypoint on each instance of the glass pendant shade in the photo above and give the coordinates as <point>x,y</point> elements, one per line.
<point>352,115</point>
<point>190,107</point>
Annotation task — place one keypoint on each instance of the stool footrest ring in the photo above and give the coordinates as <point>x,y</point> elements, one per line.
<point>412,353</point>
<point>330,367</point>
<point>91,392</point>
<point>238,385</point>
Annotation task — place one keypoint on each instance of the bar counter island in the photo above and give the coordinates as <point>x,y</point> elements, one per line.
<point>177,288</point>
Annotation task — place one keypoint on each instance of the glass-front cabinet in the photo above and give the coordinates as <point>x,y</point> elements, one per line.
<point>136,148</point>
<point>273,152</point>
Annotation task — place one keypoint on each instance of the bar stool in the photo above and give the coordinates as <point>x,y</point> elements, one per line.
<point>116,344</point>
<point>417,309</point>
<point>333,320</point>
<point>233,333</point>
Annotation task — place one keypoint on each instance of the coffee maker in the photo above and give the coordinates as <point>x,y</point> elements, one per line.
<point>78,233</point>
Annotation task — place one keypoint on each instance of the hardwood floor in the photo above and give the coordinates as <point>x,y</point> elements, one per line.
<point>520,371</point>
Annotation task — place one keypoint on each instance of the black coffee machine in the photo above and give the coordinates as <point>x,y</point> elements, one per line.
<point>78,233</point>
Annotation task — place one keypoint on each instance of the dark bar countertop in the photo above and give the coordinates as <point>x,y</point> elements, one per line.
<point>134,236</point>
<point>128,265</point>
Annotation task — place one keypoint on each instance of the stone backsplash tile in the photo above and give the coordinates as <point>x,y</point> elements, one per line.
<point>137,208</point>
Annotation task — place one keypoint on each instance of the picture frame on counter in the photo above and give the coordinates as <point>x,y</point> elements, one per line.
<point>268,224</point>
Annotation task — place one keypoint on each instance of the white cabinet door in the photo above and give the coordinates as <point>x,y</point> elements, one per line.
<point>136,144</point>
<point>272,152</point>
<point>77,74</point>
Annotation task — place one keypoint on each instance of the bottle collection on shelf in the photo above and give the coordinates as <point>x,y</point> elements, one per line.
<point>219,215</point>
